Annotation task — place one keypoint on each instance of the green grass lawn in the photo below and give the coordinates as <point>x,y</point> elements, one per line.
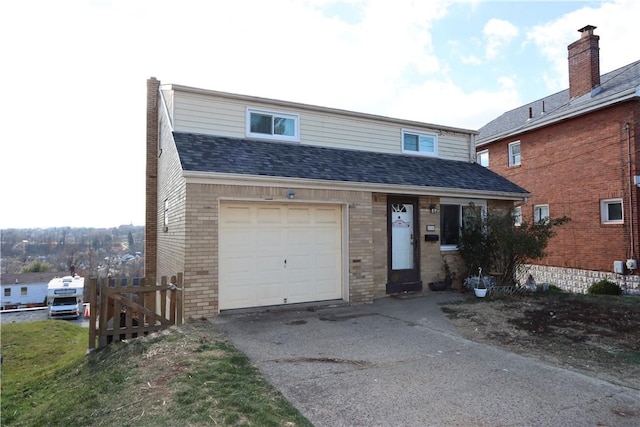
<point>187,375</point>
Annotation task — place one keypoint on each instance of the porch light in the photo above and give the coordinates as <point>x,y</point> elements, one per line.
<point>433,208</point>
<point>291,194</point>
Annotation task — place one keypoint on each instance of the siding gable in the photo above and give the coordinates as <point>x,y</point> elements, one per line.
<point>215,113</point>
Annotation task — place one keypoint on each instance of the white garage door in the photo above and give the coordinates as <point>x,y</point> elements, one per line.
<point>273,254</point>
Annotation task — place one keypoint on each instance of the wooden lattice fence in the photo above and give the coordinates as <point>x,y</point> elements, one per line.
<point>122,309</point>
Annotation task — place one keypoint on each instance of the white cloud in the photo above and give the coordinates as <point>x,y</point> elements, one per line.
<point>442,102</point>
<point>498,34</point>
<point>471,60</point>
<point>618,42</point>
<point>74,90</point>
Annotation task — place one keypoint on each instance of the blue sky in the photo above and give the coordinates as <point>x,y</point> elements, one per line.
<point>74,76</point>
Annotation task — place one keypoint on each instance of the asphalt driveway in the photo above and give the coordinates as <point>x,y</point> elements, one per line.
<point>398,362</point>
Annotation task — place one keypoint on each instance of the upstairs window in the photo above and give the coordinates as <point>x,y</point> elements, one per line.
<point>23,291</point>
<point>7,292</point>
<point>273,125</point>
<point>611,211</point>
<point>514,153</point>
<point>541,213</point>
<point>419,143</point>
<point>482,158</point>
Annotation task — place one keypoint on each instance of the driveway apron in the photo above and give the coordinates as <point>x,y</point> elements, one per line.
<point>398,362</point>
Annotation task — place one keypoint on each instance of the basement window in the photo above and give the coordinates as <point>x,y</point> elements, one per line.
<point>611,211</point>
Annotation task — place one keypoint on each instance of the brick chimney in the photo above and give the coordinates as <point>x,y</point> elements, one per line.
<point>584,63</point>
<point>151,205</point>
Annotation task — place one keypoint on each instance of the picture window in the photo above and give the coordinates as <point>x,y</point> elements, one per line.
<point>611,211</point>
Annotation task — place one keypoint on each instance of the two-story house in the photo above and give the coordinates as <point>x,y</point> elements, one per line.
<point>262,202</point>
<point>576,151</point>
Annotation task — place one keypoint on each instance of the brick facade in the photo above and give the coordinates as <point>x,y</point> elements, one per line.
<point>190,242</point>
<point>182,217</point>
<point>572,166</point>
<point>584,63</point>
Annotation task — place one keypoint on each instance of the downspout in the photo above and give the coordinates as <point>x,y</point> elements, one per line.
<point>631,219</point>
<point>472,147</point>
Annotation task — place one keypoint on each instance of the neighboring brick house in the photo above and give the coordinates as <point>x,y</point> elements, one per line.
<point>576,151</point>
<point>262,202</point>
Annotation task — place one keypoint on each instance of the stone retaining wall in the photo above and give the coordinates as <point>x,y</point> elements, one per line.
<point>578,281</point>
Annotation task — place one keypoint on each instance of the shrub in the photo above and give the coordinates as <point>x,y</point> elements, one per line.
<point>36,266</point>
<point>604,287</point>
<point>489,240</point>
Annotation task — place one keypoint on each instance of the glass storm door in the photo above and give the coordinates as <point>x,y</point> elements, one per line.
<point>404,272</point>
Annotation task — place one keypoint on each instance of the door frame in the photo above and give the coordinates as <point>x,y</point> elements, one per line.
<point>406,280</point>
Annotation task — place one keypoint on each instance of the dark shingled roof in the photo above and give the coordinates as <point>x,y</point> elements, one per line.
<point>616,84</point>
<point>207,153</point>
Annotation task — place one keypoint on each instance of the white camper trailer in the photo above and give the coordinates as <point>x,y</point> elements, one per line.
<point>65,297</point>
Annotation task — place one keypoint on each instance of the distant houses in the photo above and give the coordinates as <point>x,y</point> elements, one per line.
<point>25,290</point>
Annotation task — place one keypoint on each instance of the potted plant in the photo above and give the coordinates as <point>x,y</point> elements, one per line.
<point>481,289</point>
<point>480,284</point>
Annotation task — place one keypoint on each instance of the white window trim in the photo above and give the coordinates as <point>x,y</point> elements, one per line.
<point>511,162</point>
<point>461,202</point>
<point>478,154</point>
<point>165,216</point>
<point>538,207</point>
<point>420,133</point>
<point>604,212</point>
<point>296,128</point>
<point>517,213</point>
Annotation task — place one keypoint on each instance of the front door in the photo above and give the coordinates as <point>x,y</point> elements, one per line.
<point>402,232</point>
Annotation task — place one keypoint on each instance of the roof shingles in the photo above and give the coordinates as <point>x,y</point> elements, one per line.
<point>207,153</point>
<point>553,107</point>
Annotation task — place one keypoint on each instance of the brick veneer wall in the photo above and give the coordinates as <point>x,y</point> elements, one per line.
<point>201,239</point>
<point>571,166</point>
<point>172,241</point>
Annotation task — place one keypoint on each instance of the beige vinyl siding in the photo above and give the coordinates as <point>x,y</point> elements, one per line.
<point>226,116</point>
<point>167,98</point>
<point>454,146</point>
<point>202,114</point>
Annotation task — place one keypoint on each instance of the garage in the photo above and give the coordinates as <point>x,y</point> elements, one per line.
<point>279,253</point>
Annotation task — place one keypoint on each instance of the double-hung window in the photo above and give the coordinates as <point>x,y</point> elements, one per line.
<point>419,143</point>
<point>482,158</point>
<point>452,214</point>
<point>273,125</point>
<point>540,213</point>
<point>611,211</point>
<point>514,153</point>
<point>517,216</point>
